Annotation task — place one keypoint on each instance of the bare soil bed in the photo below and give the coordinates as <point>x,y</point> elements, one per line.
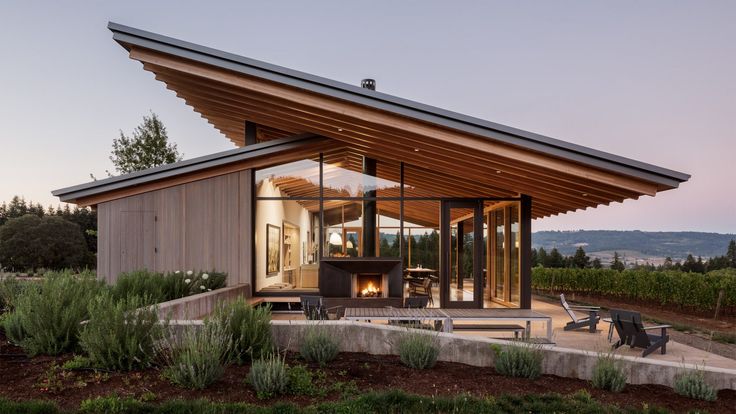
<point>23,378</point>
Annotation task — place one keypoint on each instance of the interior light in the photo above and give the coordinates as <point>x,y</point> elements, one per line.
<point>335,239</point>
<point>498,171</point>
<point>416,149</point>
<point>349,244</point>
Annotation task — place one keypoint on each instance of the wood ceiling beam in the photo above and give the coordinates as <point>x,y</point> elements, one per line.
<point>376,117</point>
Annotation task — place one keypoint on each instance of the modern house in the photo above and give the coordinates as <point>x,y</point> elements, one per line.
<point>344,190</point>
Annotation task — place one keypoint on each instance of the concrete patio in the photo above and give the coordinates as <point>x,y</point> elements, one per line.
<point>584,340</point>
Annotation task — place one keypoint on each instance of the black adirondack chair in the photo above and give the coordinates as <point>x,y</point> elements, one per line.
<point>631,332</point>
<point>314,308</point>
<point>590,322</point>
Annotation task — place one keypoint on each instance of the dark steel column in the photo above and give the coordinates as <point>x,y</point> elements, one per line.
<point>250,133</point>
<point>525,266</point>
<point>460,248</point>
<point>369,208</point>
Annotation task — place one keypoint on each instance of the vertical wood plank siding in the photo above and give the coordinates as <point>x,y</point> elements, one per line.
<point>202,225</point>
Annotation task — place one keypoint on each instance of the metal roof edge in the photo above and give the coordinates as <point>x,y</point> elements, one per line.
<point>181,167</point>
<point>513,136</point>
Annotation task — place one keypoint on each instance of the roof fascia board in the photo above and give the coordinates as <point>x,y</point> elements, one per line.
<point>130,36</point>
<point>184,167</point>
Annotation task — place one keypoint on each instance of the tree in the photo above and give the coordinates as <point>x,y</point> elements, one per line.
<point>149,147</point>
<point>31,242</point>
<point>580,260</point>
<point>731,253</point>
<point>617,264</point>
<point>542,257</point>
<point>556,260</point>
<point>596,263</point>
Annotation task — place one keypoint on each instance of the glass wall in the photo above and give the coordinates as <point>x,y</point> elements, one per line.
<point>337,204</point>
<point>504,270</point>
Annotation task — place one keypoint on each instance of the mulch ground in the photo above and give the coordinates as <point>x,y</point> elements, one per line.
<point>23,378</point>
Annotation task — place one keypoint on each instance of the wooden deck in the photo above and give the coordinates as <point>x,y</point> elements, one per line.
<point>447,316</point>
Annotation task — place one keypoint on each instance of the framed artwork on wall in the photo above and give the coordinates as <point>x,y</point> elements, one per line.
<point>273,249</point>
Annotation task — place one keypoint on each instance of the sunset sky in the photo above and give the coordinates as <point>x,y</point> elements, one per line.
<point>654,81</point>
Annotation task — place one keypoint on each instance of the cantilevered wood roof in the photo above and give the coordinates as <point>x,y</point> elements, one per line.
<point>445,151</point>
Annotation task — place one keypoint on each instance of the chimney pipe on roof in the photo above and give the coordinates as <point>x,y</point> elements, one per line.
<point>368,84</point>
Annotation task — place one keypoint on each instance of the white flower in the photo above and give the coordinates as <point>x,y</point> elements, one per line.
<point>187,281</point>
<point>205,276</point>
<point>209,290</point>
<point>202,287</point>
<point>189,272</point>
<point>177,272</point>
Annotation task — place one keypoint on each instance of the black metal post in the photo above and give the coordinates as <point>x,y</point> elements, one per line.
<point>369,208</point>
<point>525,265</point>
<point>250,133</point>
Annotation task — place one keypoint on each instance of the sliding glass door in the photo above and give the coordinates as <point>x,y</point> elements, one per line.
<point>462,254</point>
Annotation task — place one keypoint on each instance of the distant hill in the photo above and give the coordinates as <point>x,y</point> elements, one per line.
<point>640,245</point>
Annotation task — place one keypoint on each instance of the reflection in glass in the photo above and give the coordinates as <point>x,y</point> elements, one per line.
<point>499,244</point>
<point>462,276</point>
<point>344,177</point>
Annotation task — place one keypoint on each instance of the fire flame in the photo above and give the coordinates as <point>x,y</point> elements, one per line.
<point>369,289</point>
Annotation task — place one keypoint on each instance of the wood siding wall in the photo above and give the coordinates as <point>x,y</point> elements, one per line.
<point>201,225</point>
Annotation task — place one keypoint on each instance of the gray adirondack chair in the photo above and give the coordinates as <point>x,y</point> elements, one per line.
<point>590,322</point>
<point>631,332</point>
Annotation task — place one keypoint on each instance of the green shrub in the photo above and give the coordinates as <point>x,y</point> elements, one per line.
<point>10,289</point>
<point>250,328</point>
<point>141,283</point>
<point>318,346</point>
<point>520,359</point>
<point>195,357</point>
<point>160,287</point>
<point>49,316</point>
<point>608,374</point>
<point>418,350</point>
<point>13,328</point>
<point>683,289</point>
<point>120,334</point>
<point>78,362</point>
<point>692,384</point>
<point>269,376</point>
<point>112,405</point>
<point>28,407</point>
<point>31,242</point>
<point>301,381</point>
<point>372,402</point>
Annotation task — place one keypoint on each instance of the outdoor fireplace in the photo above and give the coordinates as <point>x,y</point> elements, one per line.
<point>361,281</point>
<point>369,285</point>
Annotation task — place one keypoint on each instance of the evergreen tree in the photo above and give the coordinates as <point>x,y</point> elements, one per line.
<point>596,263</point>
<point>556,260</point>
<point>580,260</point>
<point>534,258</point>
<point>542,257</point>
<point>148,147</point>
<point>617,264</point>
<point>731,253</point>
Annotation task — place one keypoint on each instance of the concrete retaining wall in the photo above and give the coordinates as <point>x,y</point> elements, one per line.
<point>476,351</point>
<point>200,305</point>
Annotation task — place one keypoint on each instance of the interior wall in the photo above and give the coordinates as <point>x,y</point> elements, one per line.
<point>275,212</point>
<point>200,225</point>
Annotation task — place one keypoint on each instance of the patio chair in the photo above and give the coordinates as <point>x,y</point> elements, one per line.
<point>591,321</point>
<point>314,308</point>
<point>423,288</point>
<point>631,332</point>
